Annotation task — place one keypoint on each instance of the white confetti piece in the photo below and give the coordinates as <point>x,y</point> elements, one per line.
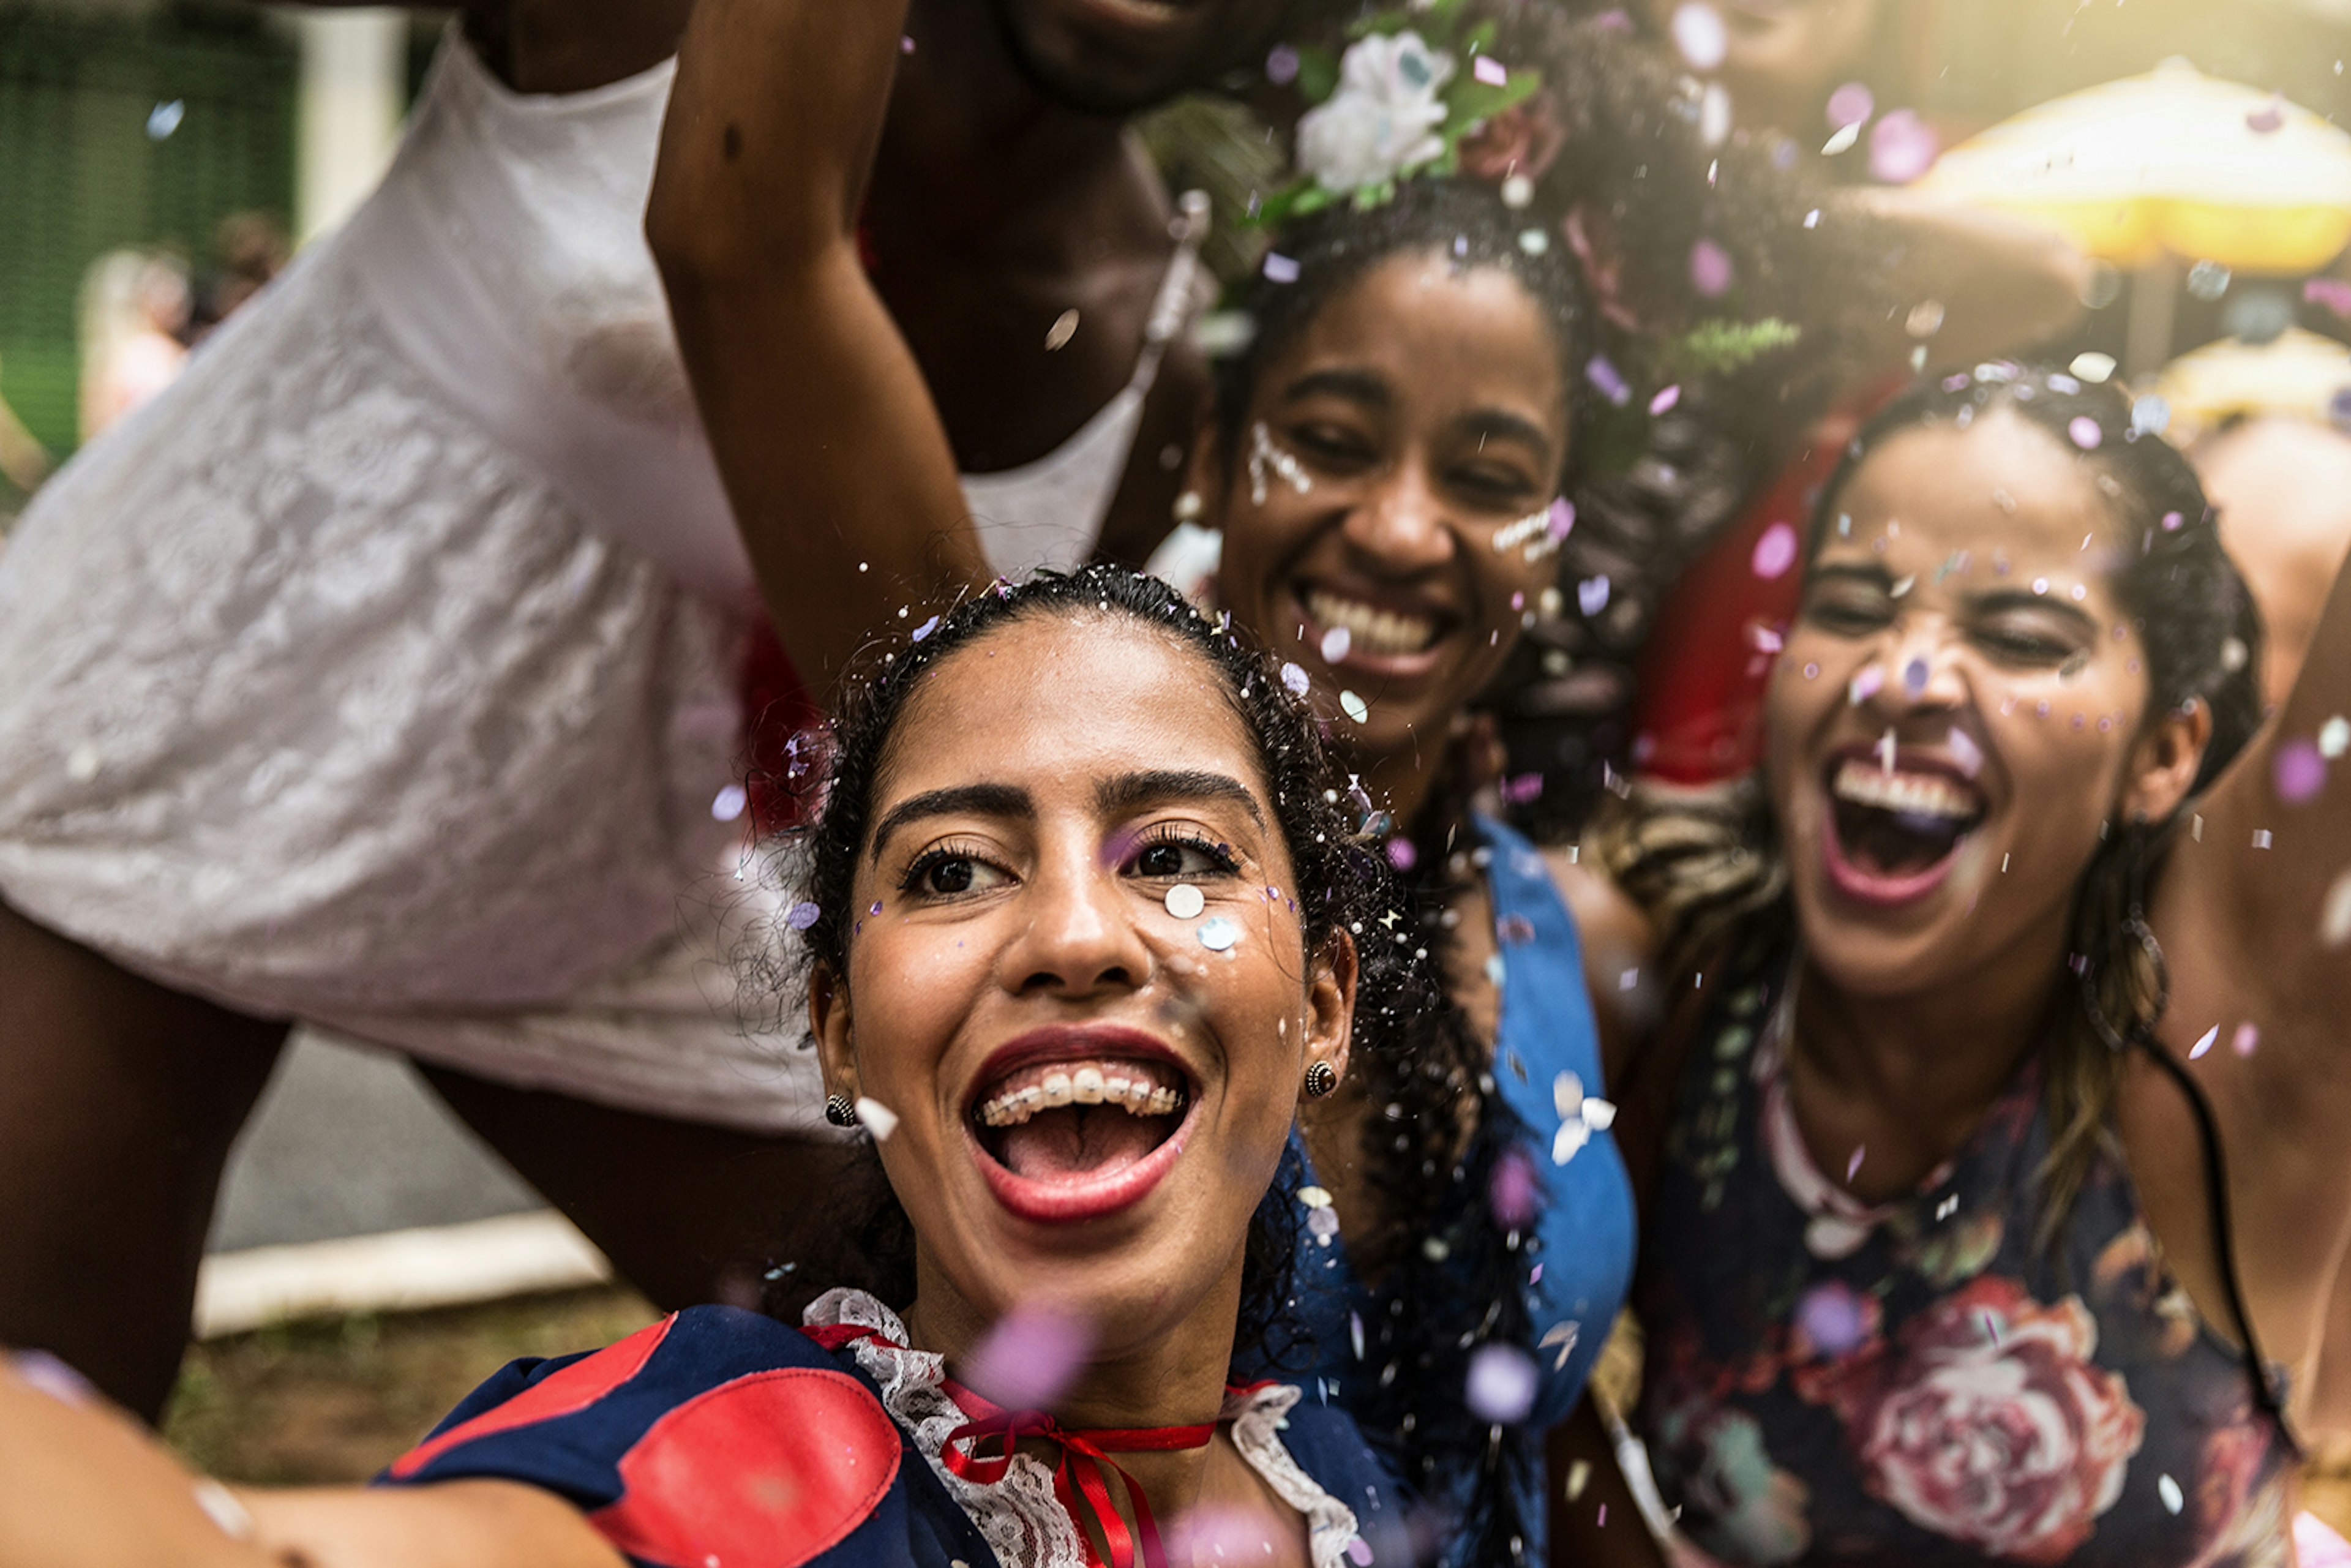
<point>1578,1476</point>
<point>728,803</point>
<point>1185,901</point>
<point>2204,1042</point>
<point>165,118</point>
<point>1840,142</point>
<point>1219,935</point>
<point>2335,916</point>
<point>1335,644</point>
<point>1354,708</point>
<point>1501,1384</point>
<point>1280,268</point>
<point>1064,328</point>
<point>879,1119</point>
<point>2172,1499</point>
<point>2334,738</point>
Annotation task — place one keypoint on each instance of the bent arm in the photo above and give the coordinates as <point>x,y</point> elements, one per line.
<point>2004,284</point>
<point>833,456</point>
<point>85,1486</point>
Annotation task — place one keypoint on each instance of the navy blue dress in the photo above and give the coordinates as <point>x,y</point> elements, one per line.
<point>720,1439</point>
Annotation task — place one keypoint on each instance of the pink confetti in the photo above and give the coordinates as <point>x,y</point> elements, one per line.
<point>1282,64</point>
<point>1401,854</point>
<point>1965,752</point>
<point>1666,400</point>
<point>1865,686</point>
<point>1030,1358</point>
<point>1902,147</point>
<point>1834,1317</point>
<point>1490,71</point>
<point>2331,292</point>
<point>2268,120</point>
<point>1851,104</point>
<point>2171,521</point>
<point>2247,1038</point>
<point>1854,1165</point>
<point>1562,520</point>
<point>1775,552</point>
<point>2085,433</point>
<point>2299,772</point>
<point>1711,270</point>
<point>1606,379</point>
<point>1512,1190</point>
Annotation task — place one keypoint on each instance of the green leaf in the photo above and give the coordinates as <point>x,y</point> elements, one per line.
<point>1720,347</point>
<point>1318,73</point>
<point>1469,103</point>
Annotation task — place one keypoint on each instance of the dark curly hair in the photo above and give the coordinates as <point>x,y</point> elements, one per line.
<point>1341,884</point>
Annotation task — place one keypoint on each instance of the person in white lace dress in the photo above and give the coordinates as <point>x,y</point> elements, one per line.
<point>1049,970</point>
<point>387,671</point>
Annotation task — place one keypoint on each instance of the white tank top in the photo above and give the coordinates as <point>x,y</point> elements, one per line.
<point>505,251</point>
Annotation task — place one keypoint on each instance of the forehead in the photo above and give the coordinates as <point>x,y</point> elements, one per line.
<point>1438,333</point>
<point>1054,702</point>
<point>2003,486</point>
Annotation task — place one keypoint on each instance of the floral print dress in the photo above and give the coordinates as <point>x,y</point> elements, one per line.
<point>1918,1383</point>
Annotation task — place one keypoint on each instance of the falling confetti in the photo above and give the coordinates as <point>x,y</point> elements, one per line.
<point>1700,36</point>
<point>802,915</point>
<point>1902,147</point>
<point>1219,935</point>
<point>1280,268</point>
<point>1185,901</point>
<point>1840,142</point>
<point>1948,1207</point>
<point>1511,1191</point>
<point>1833,1317</point>
<point>2334,738</point>
<point>1355,1334</point>
<point>1711,270</point>
<point>1354,708</point>
<point>2208,280</point>
<point>1865,686</point>
<point>1501,1384</point>
<point>1282,64</point>
<point>1064,328</point>
<point>2172,1499</point>
<point>1664,400</point>
<point>1606,379</point>
<point>1592,595</point>
<point>879,1119</point>
<point>2085,433</point>
<point>926,628</point>
<point>1578,1476</point>
<point>164,118</point>
<point>1335,644</point>
<point>1490,71</point>
<point>1965,752</point>
<point>1401,854</point>
<point>2299,771</point>
<point>1030,1357</point>
<point>2335,916</point>
<point>1294,680</point>
<point>1854,1165</point>
<point>2203,1042</point>
<point>1915,675</point>
<point>2093,367</point>
<point>2266,121</point>
<point>729,804</point>
<point>2246,1040</point>
<point>1775,552</point>
<point>1852,104</point>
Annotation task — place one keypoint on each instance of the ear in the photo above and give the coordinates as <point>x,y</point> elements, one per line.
<point>828,1020</point>
<point>2163,761</point>
<point>1331,1004</point>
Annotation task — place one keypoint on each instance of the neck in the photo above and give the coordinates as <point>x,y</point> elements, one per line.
<point>1173,1377</point>
<point>1935,1056</point>
<point>973,149</point>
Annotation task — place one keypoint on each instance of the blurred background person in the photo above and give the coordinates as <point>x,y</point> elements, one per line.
<point>134,324</point>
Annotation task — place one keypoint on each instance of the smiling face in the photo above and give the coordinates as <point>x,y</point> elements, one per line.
<point>1385,451</point>
<point>1115,57</point>
<point>1069,982</point>
<point>1961,704</point>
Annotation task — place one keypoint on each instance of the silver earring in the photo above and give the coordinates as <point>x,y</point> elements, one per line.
<point>1189,506</point>
<point>840,1110</point>
<point>1321,1078</point>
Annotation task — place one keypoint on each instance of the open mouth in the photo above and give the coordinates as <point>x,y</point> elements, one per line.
<point>1894,831</point>
<point>1376,633</point>
<point>1072,1128</point>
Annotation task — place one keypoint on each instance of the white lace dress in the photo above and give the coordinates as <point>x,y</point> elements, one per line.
<point>383,671</point>
<point>1021,1516</point>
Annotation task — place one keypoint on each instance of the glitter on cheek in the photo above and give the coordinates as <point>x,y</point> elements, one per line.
<point>1219,935</point>
<point>1185,901</point>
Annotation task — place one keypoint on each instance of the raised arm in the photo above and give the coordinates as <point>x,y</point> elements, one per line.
<point>835,460</point>
<point>2004,284</point>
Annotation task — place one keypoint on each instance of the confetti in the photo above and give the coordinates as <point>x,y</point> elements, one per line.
<point>1710,269</point>
<point>1355,1332</point>
<point>2093,367</point>
<point>1915,675</point>
<point>1501,1383</point>
<point>1948,1207</point>
<point>1840,142</point>
<point>2334,738</point>
<point>1965,752</point>
<point>2208,280</point>
<point>1578,1476</point>
<point>1280,268</point>
<point>879,1119</point>
<point>1865,686</point>
<point>1511,1192</point>
<point>1354,708</point>
<point>1219,935</point>
<point>926,628</point>
<point>1185,901</point>
<point>802,915</point>
<point>2085,433</point>
<point>2203,1042</point>
<point>2246,1040</point>
<point>1511,930</point>
<point>1282,64</point>
<point>165,118</point>
<point>1064,328</point>
<point>2299,771</point>
<point>2172,1499</point>
<point>728,803</point>
<point>1592,595</point>
<point>2266,121</point>
<point>2261,838</point>
<point>1700,36</point>
<point>2150,415</point>
<point>1902,147</point>
<point>1605,376</point>
<point>2333,293</point>
<point>1030,1357</point>
<point>1490,71</point>
<point>1664,400</point>
<point>1294,680</point>
<point>1852,104</point>
<point>2335,916</point>
<point>1854,1165</point>
<point>1335,644</point>
<point>1834,1317</point>
<point>1401,854</point>
<point>1323,1226</point>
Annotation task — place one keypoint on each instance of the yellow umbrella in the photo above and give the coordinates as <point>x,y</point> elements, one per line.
<point>2300,374</point>
<point>2172,162</point>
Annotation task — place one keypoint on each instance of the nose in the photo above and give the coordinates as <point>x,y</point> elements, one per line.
<point>1917,672</point>
<point>1404,523</point>
<point>1083,938</point>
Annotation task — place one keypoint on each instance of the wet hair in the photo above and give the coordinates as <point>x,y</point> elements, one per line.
<point>1645,191</point>
<point>1340,883</point>
<point>1706,863</point>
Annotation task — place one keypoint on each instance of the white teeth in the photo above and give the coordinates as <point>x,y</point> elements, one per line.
<point>1370,628</point>
<point>1089,1084</point>
<point>1913,794</point>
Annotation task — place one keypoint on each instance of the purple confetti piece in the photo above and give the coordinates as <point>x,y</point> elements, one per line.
<point>2085,433</point>
<point>1359,1553</point>
<point>1711,270</point>
<point>1401,854</point>
<point>730,802</point>
<point>1965,752</point>
<point>1490,71</point>
<point>1854,1165</point>
<point>1851,104</point>
<point>1865,686</point>
<point>1500,1387</point>
<point>1280,268</point>
<point>926,628</point>
<point>1604,375</point>
<point>1030,1357</point>
<point>1957,382</point>
<point>2171,521</point>
<point>1915,675</point>
<point>1282,64</point>
<point>1294,680</point>
<point>1833,1317</point>
<point>1664,401</point>
<point>2247,1038</point>
<point>52,1377</point>
<point>2299,772</point>
<point>1775,552</point>
<point>1902,147</point>
<point>1335,644</point>
<point>876,909</point>
<point>1513,930</point>
<point>802,915</point>
<point>2266,121</point>
<point>1522,788</point>
<point>1592,595</point>
<point>1512,1190</point>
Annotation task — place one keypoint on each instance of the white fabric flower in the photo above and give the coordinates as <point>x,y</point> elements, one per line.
<point>1383,120</point>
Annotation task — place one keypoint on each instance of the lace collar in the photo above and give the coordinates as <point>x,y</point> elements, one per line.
<point>1022,1519</point>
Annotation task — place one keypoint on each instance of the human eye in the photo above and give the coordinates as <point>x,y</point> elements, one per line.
<point>950,870</point>
<point>2023,642</point>
<point>1845,610</point>
<point>1177,853</point>
<point>1332,445</point>
<point>1495,485</point>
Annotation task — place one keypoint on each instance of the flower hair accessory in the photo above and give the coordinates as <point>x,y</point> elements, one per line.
<point>1399,103</point>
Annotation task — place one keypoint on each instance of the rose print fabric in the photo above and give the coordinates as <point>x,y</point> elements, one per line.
<point>1920,1382</point>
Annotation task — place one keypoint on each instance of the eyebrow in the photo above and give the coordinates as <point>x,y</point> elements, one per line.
<point>1989,601</point>
<point>961,800</point>
<point>1134,791</point>
<point>1357,386</point>
<point>1491,423</point>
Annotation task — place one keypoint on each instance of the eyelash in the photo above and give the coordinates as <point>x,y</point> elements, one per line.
<point>1220,858</point>
<point>938,855</point>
